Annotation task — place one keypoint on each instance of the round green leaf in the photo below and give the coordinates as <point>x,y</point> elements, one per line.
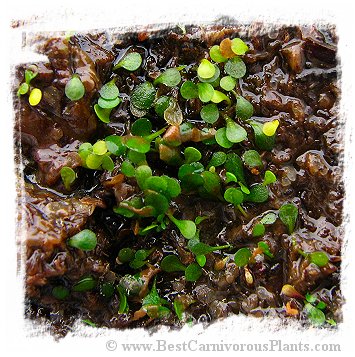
<point>173,188</point>
<point>126,255</point>
<point>193,272</point>
<point>319,258</point>
<point>252,159</point>
<point>258,194</point>
<point>127,169</point>
<point>244,109</point>
<point>242,257</point>
<point>218,158</point>
<point>23,89</point>
<point>161,104</point>
<point>209,113</point>
<point>172,263</point>
<point>84,240</point>
<point>262,141</point>
<point>219,97</point>
<point>222,140</point>
<point>109,91</point>
<point>239,47</point>
<point>74,89</point>
<point>60,292</point>
<point>235,67</point>
<point>234,196</point>
<point>138,144</point>
<point>158,201</point>
<point>216,55</point>
<point>108,104</point>
<point>136,157</point>
<point>228,83</point>
<point>234,132</point>
<point>269,218</point>
<point>192,154</point>
<point>316,316</point>
<point>205,92</point>
<point>156,183</point>
<point>93,161</point>
<point>141,127</point>
<point>206,69</point>
<point>142,97</point>
<point>171,77</point>
<point>131,61</point>
<point>107,163</point>
<point>186,227</point>
<point>189,90</point>
<point>102,114</point>
<point>258,230</point>
<point>269,177</point>
<point>214,80</point>
<point>114,145</point>
<point>142,173</point>
<point>99,148</point>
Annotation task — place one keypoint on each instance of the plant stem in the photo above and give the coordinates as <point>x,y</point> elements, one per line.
<point>242,211</point>
<point>156,134</point>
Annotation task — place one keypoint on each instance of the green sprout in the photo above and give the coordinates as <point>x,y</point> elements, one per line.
<point>140,258</point>
<point>205,92</point>
<point>171,78</point>
<point>60,292</point>
<point>198,248</point>
<point>239,47</point>
<point>228,83</point>
<point>209,113</point>
<point>320,258</point>
<point>244,109</point>
<point>206,69</point>
<point>85,284</point>
<point>236,197</point>
<point>269,177</point>
<point>152,304</point>
<point>131,62</point>
<point>258,230</point>
<point>216,55</point>
<point>189,90</point>
<point>123,307</point>
<point>242,256</point>
<point>186,227</point>
<point>171,263</point>
<point>126,255</point>
<point>142,96</point>
<point>252,159</point>
<point>264,247</point>
<point>74,89</point>
<point>193,272</point>
<point>68,176</point>
<point>269,218</point>
<point>85,240</point>
<point>235,67</point>
<point>288,214</point>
